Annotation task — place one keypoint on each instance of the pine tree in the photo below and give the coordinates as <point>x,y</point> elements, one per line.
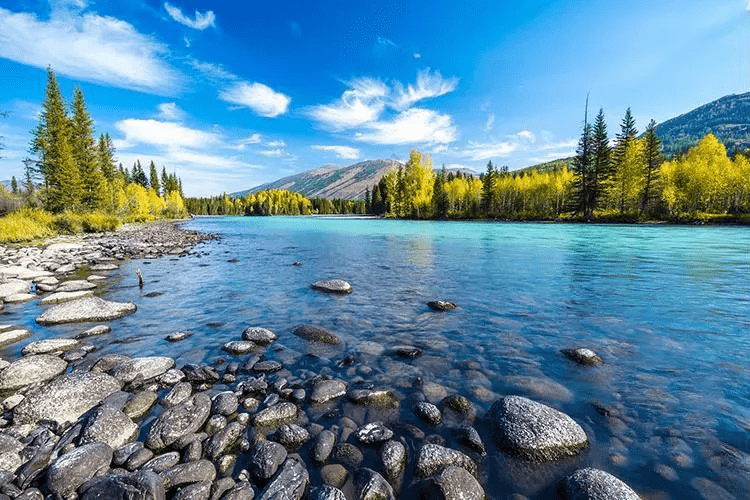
<point>85,154</point>
<point>377,200</point>
<point>154,177</point>
<point>489,180</point>
<point>51,144</point>
<point>440,195</point>
<point>582,167</point>
<point>164,181</point>
<point>653,159</point>
<point>13,185</point>
<point>623,144</point>
<point>602,162</point>
<point>106,158</point>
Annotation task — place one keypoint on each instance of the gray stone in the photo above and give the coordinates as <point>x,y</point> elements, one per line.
<point>13,336</point>
<point>332,286</point>
<point>535,431</point>
<point>13,287</point>
<point>327,492</point>
<point>453,483</point>
<point>177,395</point>
<point>393,458</point>
<point>75,286</point>
<point>334,474</point>
<point>372,486</point>
<point>93,331</point>
<point>469,437</point>
<point>186,418</point>
<point>441,305</point>
<point>276,415</point>
<point>292,436</point>
<point>60,297</point>
<point>225,403</point>
<point>323,446</point>
<point>316,334</point>
<point>49,346</point>
<point>238,347</point>
<point>541,387</point>
<point>428,412</point>
<point>77,466</point>
<point>109,425</point>
<point>258,335</point>
<point>326,390</point>
<point>10,453</point>
<point>377,398</point>
<point>85,309</point>
<point>224,439</point>
<point>141,485</point>
<point>138,459</point>
<point>23,273</point>
<point>163,462</point>
<point>192,472</point>
<point>146,367</point>
<point>177,336</point>
<point>243,490</point>
<point>17,298</point>
<point>139,404</point>
<point>348,455</point>
<point>290,483</point>
<point>595,484</point>
<point>31,370</point>
<point>267,366</point>
<point>65,399</point>
<point>373,433</point>
<point>583,356</point>
<point>196,491</point>
<point>266,459</point>
<point>433,458</point>
<point>172,377</point>
<point>122,453</point>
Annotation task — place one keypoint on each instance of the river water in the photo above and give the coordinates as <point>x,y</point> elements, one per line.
<point>666,307</point>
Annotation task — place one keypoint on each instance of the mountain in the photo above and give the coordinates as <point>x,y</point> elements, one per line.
<point>727,118</point>
<point>332,182</point>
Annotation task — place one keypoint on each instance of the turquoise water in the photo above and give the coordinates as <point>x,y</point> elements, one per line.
<point>666,307</point>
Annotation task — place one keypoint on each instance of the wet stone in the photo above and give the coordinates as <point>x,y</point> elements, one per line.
<point>266,459</point>
<point>224,439</point>
<point>238,347</point>
<point>176,422</point>
<point>453,483</point>
<point>393,458</point>
<point>372,486</point>
<point>441,305</point>
<point>372,433</point>
<point>177,336</point>
<point>196,491</point>
<point>292,436</point>
<point>139,404</point>
<point>258,335</point>
<point>378,398</point>
<point>583,356</point>
<point>407,351</point>
<point>428,412</point>
<point>323,446</point>
<point>31,370</point>
<point>179,393</point>
<point>432,458</point>
<point>337,286</point>
<point>348,455</point>
<point>327,492</point>
<point>225,403</point>
<point>469,437</point>
<point>192,472</point>
<point>276,415</point>
<point>595,484</point>
<point>142,485</point>
<point>109,425</point>
<point>49,346</point>
<point>326,390</point>
<point>76,467</point>
<point>315,334</point>
<point>85,309</point>
<point>267,366</point>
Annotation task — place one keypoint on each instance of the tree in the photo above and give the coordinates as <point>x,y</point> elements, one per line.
<point>51,144</point>
<point>85,154</point>
<point>653,159</point>
<point>368,206</point>
<point>583,165</point>
<point>377,201</point>
<point>153,177</point>
<point>139,176</point>
<point>13,185</point>
<point>602,162</point>
<point>106,158</point>
<point>440,196</point>
<point>488,190</point>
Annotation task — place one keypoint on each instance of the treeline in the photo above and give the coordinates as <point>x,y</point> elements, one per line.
<point>70,171</point>
<point>272,202</point>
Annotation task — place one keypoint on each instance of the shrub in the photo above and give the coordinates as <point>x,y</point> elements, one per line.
<point>68,223</point>
<point>98,222</point>
<point>25,225</point>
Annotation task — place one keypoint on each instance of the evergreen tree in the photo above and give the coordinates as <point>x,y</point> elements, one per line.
<point>13,185</point>
<point>368,205</point>
<point>488,189</point>
<point>440,196</point>
<point>105,152</point>
<point>164,181</point>
<point>125,174</point>
<point>582,168</point>
<point>400,198</point>
<point>139,176</point>
<point>653,159</point>
<point>51,144</point>
<point>377,201</point>
<point>602,161</point>
<point>85,154</point>
<point>154,177</point>
<point>620,158</point>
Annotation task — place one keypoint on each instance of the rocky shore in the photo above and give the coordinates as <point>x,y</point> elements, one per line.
<point>79,425</point>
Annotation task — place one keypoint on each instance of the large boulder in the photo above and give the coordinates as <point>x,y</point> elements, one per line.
<point>109,425</point>
<point>332,286</point>
<point>535,431</point>
<point>453,483</point>
<point>595,484</point>
<point>77,466</point>
<point>289,483</point>
<point>65,399</point>
<point>85,309</point>
<point>31,370</point>
<point>141,485</point>
<point>183,419</point>
<point>146,367</point>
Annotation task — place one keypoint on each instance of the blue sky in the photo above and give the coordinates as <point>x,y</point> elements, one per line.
<point>234,94</point>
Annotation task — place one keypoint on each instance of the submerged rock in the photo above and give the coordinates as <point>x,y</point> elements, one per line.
<point>315,334</point>
<point>332,286</point>
<point>239,347</point>
<point>583,356</point>
<point>377,398</point>
<point>535,431</point>
<point>85,309</point>
<point>258,335</point>
<point>595,484</point>
<point>326,390</point>
<point>441,305</point>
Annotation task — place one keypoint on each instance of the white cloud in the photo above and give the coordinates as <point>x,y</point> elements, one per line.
<point>170,111</point>
<point>417,55</point>
<point>187,42</point>
<point>488,150</point>
<point>89,47</point>
<point>413,126</point>
<point>252,139</point>
<point>344,152</point>
<point>212,71</point>
<point>201,21</point>
<point>162,133</point>
<point>274,153</point>
<point>490,122</point>
<point>263,100</point>
<point>428,85</point>
<point>276,144</point>
<point>748,5</point>
<point>362,103</point>
<point>526,135</point>
<point>386,42</point>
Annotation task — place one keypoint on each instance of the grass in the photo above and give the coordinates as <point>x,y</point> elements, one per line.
<point>26,224</point>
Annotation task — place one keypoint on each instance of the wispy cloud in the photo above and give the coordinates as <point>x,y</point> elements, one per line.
<point>490,122</point>
<point>417,55</point>
<point>362,103</point>
<point>215,72</point>
<point>260,98</point>
<point>187,42</point>
<point>170,111</point>
<point>344,152</point>
<point>201,21</point>
<point>487,150</point>
<point>386,42</point>
<point>526,135</point>
<point>90,47</point>
<point>429,84</point>
<point>413,126</point>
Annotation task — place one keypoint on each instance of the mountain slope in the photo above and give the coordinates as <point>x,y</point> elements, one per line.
<point>727,118</point>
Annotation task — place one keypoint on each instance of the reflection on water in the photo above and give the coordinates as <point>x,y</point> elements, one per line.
<point>667,308</point>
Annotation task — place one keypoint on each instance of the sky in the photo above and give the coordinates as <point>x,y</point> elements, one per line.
<point>230,95</point>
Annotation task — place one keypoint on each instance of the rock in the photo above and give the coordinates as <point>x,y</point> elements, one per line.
<point>17,298</point>
<point>348,455</point>
<point>583,356</point>
<point>77,466</point>
<point>372,486</point>
<point>13,287</point>
<point>258,335</point>
<point>266,459</point>
<point>200,374</point>
<point>177,395</point>
<point>332,286</point>
<point>109,425</point>
<point>172,377</point>
<point>290,483</point>
<point>186,418</point>
<point>541,387</point>
<point>139,404</point>
<point>10,453</point>
<point>407,351</point>
<point>224,439</point>
<point>23,273</point>
<point>141,485</point>
<point>243,490</point>
<point>267,366</point>
<point>441,305</point>
<point>31,370</point>
<point>428,412</point>
<point>59,297</point>
<point>372,433</point>
<point>163,462</point>
<point>75,286</point>
<point>177,336</point>
<point>292,436</point>
<point>50,346</point>
<point>453,483</point>
<point>595,484</point>
<point>377,398</point>
<point>146,367</point>
<point>334,475</point>
<point>123,453</point>
<point>469,437</point>
<point>191,472</point>
<point>239,347</point>
<point>323,446</point>
<point>103,267</point>
<point>316,334</point>
<point>276,415</point>
<point>13,336</point>
<point>225,403</point>
<point>433,458</point>
<point>535,431</point>
<point>326,390</point>
<point>93,331</point>
<point>458,403</point>
<point>327,492</point>
<point>85,309</point>
<point>65,399</point>
<point>393,458</point>
<point>196,491</point>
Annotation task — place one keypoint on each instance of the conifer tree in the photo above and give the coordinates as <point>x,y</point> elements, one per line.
<point>440,196</point>
<point>106,158</point>
<point>368,206</point>
<point>582,168</point>
<point>85,154</point>
<point>653,159</point>
<point>377,200</point>
<point>13,185</point>
<point>154,178</point>
<point>488,190</point>
<point>620,158</point>
<point>164,181</point>
<point>602,159</point>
